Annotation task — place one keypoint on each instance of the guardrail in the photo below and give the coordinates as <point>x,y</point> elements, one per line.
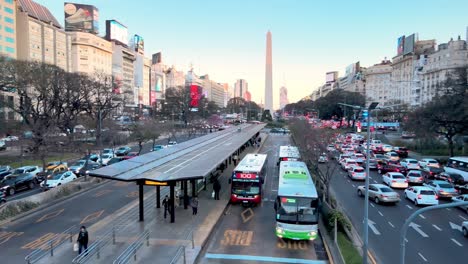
<point>47,248</point>
<point>180,252</point>
<point>133,248</point>
<point>97,246</point>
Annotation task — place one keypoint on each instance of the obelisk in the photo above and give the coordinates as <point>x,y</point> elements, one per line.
<point>268,76</point>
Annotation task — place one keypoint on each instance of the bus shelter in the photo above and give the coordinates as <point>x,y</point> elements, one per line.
<point>186,162</point>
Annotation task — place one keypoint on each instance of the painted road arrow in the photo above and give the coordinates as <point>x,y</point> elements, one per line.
<point>455,226</point>
<point>371,225</point>
<point>418,229</point>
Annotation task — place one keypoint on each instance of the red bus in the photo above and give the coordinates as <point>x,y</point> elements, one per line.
<point>247,179</point>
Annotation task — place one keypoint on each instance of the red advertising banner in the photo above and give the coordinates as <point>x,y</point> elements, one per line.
<point>194,96</point>
<point>153,97</point>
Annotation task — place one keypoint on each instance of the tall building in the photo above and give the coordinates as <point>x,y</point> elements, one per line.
<point>42,37</point>
<point>8,32</point>
<point>283,97</point>
<point>212,90</point>
<point>378,80</point>
<point>90,53</point>
<point>247,95</point>
<point>268,75</point>
<point>144,91</point>
<point>240,87</point>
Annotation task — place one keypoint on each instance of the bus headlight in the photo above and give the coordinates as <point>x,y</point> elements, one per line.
<point>279,230</point>
<point>312,233</point>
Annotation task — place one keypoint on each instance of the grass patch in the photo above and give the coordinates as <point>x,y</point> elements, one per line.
<point>350,253</point>
<point>14,209</point>
<point>29,161</point>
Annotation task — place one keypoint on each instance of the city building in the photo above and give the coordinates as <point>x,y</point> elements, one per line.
<point>227,93</point>
<point>42,37</point>
<point>283,97</point>
<point>268,75</point>
<point>8,32</point>
<point>240,87</point>
<point>378,80</point>
<point>144,91</point>
<point>90,54</point>
<point>212,90</point>
<point>247,95</point>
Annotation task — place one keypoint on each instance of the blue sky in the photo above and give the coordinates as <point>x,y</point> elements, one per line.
<point>226,39</point>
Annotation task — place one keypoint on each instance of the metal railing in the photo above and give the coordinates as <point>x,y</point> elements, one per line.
<point>180,253</point>
<point>47,248</point>
<point>133,248</point>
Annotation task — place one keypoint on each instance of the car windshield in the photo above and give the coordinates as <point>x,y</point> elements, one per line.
<point>393,154</point>
<point>106,156</point>
<point>427,192</point>
<point>398,177</point>
<point>122,149</point>
<point>414,174</point>
<point>432,161</point>
<point>56,176</point>
<point>19,171</point>
<point>386,190</point>
<point>79,163</point>
<point>245,187</point>
<point>297,210</point>
<point>53,164</point>
<point>359,170</point>
<point>413,161</point>
<point>445,185</point>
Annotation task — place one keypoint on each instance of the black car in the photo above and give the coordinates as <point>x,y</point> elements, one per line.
<point>89,167</point>
<point>3,174</point>
<point>453,178</point>
<point>122,151</point>
<point>429,173</point>
<point>13,183</point>
<point>401,151</point>
<point>463,189</point>
<point>115,160</point>
<point>389,166</point>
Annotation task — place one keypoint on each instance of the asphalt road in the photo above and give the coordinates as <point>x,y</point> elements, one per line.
<point>433,239</point>
<point>247,233</point>
<point>20,237</point>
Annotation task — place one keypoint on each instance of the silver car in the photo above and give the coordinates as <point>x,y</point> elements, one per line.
<point>415,177</point>
<point>379,193</point>
<point>442,188</point>
<point>461,198</point>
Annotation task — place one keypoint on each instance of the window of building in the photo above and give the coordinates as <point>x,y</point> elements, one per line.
<point>8,10</point>
<point>10,49</point>
<point>9,30</point>
<point>11,115</point>
<point>9,20</point>
<point>9,40</point>
<point>9,1</point>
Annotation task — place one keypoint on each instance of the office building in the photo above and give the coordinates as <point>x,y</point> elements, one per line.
<point>90,54</point>
<point>8,32</point>
<point>378,80</point>
<point>240,87</point>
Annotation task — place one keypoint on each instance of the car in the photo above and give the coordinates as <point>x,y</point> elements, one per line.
<point>105,158</point>
<point>387,166</point>
<point>131,155</point>
<point>462,189</point>
<point>52,167</point>
<point>395,180</point>
<point>387,148</point>
<point>392,156</point>
<point>115,160</point>
<point>171,143</point>
<point>410,164</point>
<point>158,147</point>
<point>5,171</point>
<point>88,167</point>
<point>122,151</point>
<point>442,188</point>
<point>347,163</point>
<point>107,151</point>
<point>330,148</point>
<point>421,195</point>
<point>357,173</point>
<point>431,172</point>
<point>429,163</point>
<point>92,157</point>
<point>378,157</point>
<point>377,149</point>
<point>415,177</point>
<point>376,142</point>
<point>360,158</point>
<point>343,157</point>
<point>461,198</point>
<point>34,170</point>
<point>58,179</point>
<point>406,135</point>
<point>77,166</point>
<point>276,130</point>
<point>453,178</point>
<point>372,164</point>
<point>379,193</point>
<point>323,159</point>
<point>465,228</point>
<point>401,151</point>
<point>14,183</point>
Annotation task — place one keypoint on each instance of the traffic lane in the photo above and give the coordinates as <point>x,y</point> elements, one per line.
<point>24,194</point>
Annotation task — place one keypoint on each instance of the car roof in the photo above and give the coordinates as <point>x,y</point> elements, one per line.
<point>395,173</point>
<point>439,182</point>
<point>378,185</point>
<point>421,188</point>
<point>418,171</point>
<point>429,160</point>
<point>357,167</point>
<point>26,167</point>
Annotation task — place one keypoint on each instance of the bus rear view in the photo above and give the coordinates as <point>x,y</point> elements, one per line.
<point>296,205</point>
<point>288,153</point>
<point>247,179</point>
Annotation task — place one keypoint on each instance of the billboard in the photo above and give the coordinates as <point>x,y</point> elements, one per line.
<point>156,58</point>
<point>139,44</point>
<point>400,45</point>
<point>80,17</point>
<point>194,96</point>
<point>408,44</point>
<point>116,31</point>
<point>331,77</point>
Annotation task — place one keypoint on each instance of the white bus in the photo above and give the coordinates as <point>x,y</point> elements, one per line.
<point>297,203</point>
<point>458,165</point>
<point>247,179</point>
<point>288,153</point>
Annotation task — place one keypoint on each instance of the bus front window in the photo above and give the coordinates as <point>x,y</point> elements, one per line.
<point>245,187</point>
<point>297,210</point>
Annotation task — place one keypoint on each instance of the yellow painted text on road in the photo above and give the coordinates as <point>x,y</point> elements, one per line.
<point>292,244</point>
<point>91,217</point>
<point>5,236</point>
<point>50,215</point>
<point>237,238</point>
<point>43,241</point>
<point>101,193</point>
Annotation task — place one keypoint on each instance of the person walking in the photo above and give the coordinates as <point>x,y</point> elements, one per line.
<point>165,203</point>
<point>82,240</point>
<point>216,189</point>
<point>194,204</point>
<point>235,157</point>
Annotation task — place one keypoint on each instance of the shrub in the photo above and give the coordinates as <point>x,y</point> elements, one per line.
<point>342,221</point>
<point>15,208</point>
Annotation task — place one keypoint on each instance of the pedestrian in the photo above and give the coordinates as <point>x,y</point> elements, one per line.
<point>194,204</point>
<point>165,203</point>
<point>235,157</point>
<point>216,189</point>
<point>222,167</point>
<point>82,239</point>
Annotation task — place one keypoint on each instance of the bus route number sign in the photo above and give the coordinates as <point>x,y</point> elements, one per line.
<point>246,176</point>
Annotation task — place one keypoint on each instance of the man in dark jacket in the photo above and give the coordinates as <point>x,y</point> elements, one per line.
<point>165,203</point>
<point>216,189</point>
<point>82,240</point>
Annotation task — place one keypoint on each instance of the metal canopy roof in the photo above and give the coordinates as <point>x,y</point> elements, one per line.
<point>193,159</point>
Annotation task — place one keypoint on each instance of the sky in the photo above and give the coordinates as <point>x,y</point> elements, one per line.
<point>227,39</point>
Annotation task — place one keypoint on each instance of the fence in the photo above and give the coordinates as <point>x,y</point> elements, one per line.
<point>132,249</point>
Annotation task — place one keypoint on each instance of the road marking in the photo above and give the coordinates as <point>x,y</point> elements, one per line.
<point>422,216</point>
<point>121,184</point>
<point>371,225</point>
<point>274,190</point>
<point>50,215</point>
<point>409,206</point>
<point>262,258</point>
<point>436,227</point>
<point>5,236</point>
<point>448,209</point>
<point>354,186</point>
<point>132,194</point>
<point>291,244</point>
<point>456,242</point>
<point>41,242</point>
<point>375,181</point>
<point>102,192</point>
<point>422,257</point>
<point>228,210</point>
<point>91,217</point>
<point>462,217</point>
<point>349,181</point>
<point>237,238</point>
<point>417,228</point>
<point>406,240</point>
<point>372,205</point>
<point>380,213</point>
<point>247,214</point>
<point>390,223</point>
<point>455,226</point>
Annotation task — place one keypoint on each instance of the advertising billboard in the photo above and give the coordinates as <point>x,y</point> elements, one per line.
<point>156,58</point>
<point>331,77</point>
<point>116,31</point>
<point>408,44</point>
<point>139,44</point>
<point>80,17</point>
<point>400,45</point>
<point>194,96</point>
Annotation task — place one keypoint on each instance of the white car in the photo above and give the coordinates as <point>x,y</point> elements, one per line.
<point>27,169</point>
<point>461,198</point>
<point>323,159</point>
<point>360,158</point>
<point>429,163</point>
<point>387,148</point>
<point>357,173</point>
<point>395,180</point>
<point>392,156</point>
<point>108,151</point>
<point>330,148</point>
<point>465,228</point>
<point>410,164</point>
<point>58,179</point>
<point>348,163</point>
<point>172,143</point>
<point>104,159</point>
<point>376,142</point>
<point>421,195</point>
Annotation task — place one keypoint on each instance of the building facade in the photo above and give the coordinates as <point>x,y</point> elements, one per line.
<point>378,83</point>
<point>144,91</point>
<point>212,90</point>
<point>90,53</point>
<point>240,87</point>
<point>8,32</point>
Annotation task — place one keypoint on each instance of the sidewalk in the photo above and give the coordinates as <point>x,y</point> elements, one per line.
<point>165,239</point>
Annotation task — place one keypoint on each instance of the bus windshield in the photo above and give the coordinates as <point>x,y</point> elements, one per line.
<point>245,187</point>
<point>297,210</point>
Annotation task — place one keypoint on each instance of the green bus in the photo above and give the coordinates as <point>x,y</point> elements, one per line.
<point>296,205</point>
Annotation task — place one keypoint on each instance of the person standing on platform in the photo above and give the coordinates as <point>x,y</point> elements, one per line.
<point>216,189</point>
<point>235,158</point>
<point>82,240</point>
<point>165,203</point>
<point>194,204</point>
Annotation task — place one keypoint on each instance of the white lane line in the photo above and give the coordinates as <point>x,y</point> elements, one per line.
<point>422,216</point>
<point>422,257</point>
<point>436,227</point>
<point>372,205</point>
<point>409,206</point>
<point>456,242</point>
<point>448,209</point>
<point>380,213</point>
<point>375,181</point>
<point>354,186</point>
<point>406,240</point>
<point>390,223</point>
<point>349,181</point>
<point>462,217</point>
